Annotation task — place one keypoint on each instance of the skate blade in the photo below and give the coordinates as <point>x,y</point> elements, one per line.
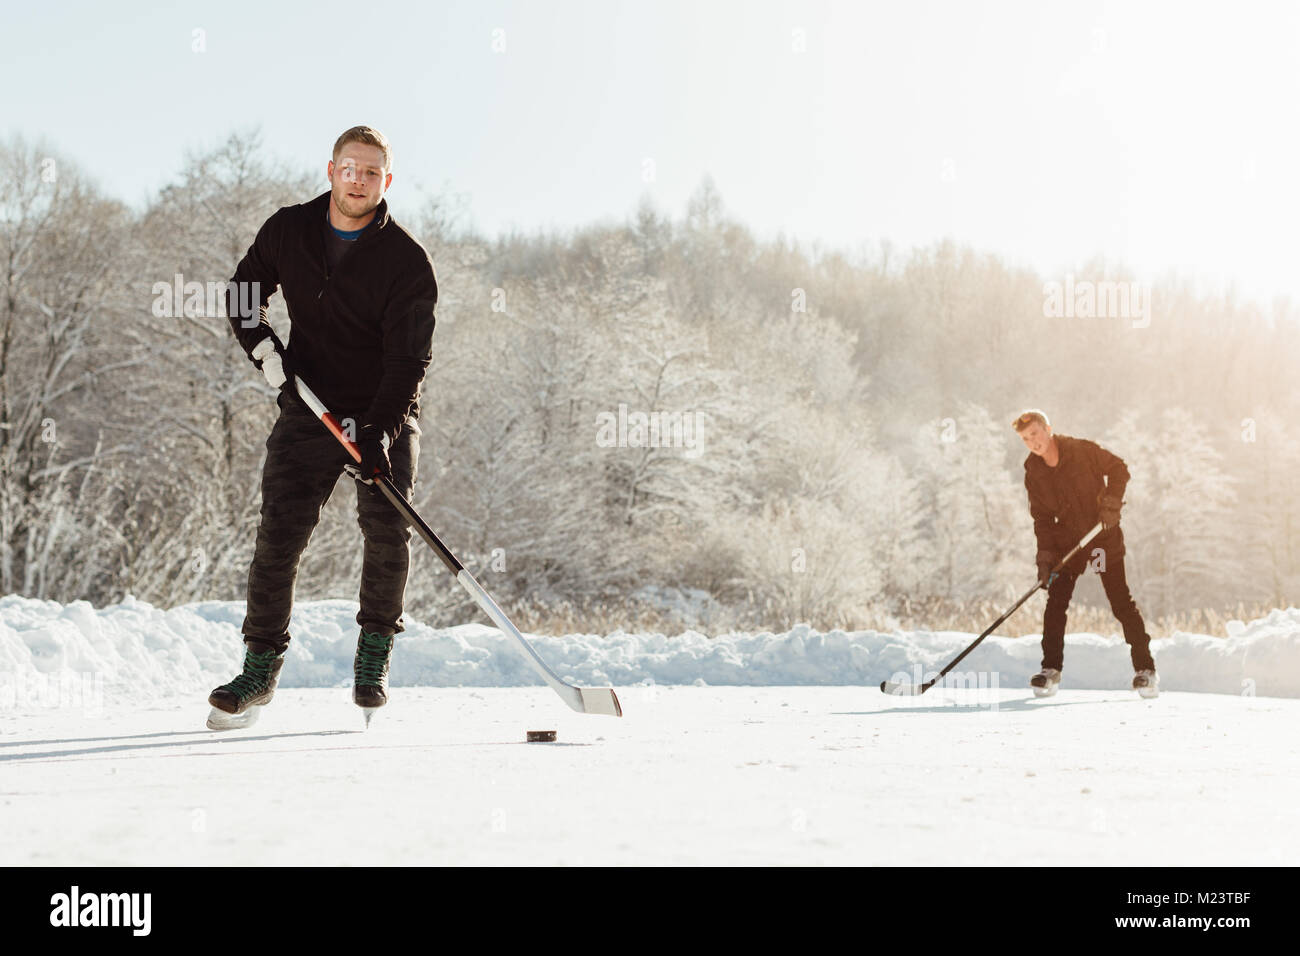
<point>368,713</point>
<point>1148,692</point>
<point>220,720</point>
<point>1049,691</point>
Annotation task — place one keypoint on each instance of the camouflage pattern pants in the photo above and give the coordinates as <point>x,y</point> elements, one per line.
<point>303,464</point>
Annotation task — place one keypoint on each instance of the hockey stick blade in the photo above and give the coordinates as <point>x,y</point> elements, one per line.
<point>601,700</point>
<point>895,689</point>
<point>585,700</point>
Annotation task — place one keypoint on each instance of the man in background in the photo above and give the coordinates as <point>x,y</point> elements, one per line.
<point>1074,483</point>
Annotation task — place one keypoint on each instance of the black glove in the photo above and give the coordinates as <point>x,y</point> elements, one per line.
<point>1046,561</point>
<point>373,444</point>
<point>1108,511</point>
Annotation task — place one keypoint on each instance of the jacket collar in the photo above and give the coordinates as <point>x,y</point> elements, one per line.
<point>320,207</point>
<point>1036,463</point>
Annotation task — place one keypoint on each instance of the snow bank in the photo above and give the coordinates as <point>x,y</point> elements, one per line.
<point>60,655</point>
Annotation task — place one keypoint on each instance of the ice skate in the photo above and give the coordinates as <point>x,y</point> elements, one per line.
<point>239,703</point>
<point>1045,682</point>
<point>370,672</point>
<point>1146,683</point>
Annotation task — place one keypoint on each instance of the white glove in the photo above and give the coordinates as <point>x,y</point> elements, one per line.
<point>272,367</point>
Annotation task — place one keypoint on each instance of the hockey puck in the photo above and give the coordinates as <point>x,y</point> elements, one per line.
<point>541,736</point>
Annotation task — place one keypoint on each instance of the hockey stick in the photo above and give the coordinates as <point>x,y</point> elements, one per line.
<point>912,690</point>
<point>600,700</point>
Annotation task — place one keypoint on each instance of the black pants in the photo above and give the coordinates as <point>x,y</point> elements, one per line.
<point>303,464</point>
<point>1122,606</point>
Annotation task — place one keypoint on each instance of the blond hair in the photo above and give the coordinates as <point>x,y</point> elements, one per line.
<point>1028,417</point>
<point>370,137</point>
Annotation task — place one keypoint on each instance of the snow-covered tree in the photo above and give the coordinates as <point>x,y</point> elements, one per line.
<point>1179,514</point>
<point>978,516</point>
<point>61,279</point>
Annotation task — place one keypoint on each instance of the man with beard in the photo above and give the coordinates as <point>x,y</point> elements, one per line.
<point>360,291</point>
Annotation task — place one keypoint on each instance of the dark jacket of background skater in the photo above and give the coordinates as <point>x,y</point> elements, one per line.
<point>1074,483</point>
<point>360,293</point>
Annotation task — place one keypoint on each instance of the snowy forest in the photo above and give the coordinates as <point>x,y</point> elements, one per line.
<point>656,422</point>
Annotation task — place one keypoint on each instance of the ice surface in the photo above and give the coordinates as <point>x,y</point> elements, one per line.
<point>691,775</point>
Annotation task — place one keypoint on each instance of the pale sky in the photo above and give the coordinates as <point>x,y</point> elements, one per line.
<point>1160,135</point>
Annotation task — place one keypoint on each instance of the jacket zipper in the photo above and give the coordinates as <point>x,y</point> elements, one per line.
<point>325,259</point>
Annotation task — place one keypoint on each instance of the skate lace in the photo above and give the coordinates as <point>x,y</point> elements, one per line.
<point>373,657</point>
<point>257,671</point>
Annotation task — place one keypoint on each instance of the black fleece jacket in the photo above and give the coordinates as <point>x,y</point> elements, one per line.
<point>1063,500</point>
<point>361,336</point>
